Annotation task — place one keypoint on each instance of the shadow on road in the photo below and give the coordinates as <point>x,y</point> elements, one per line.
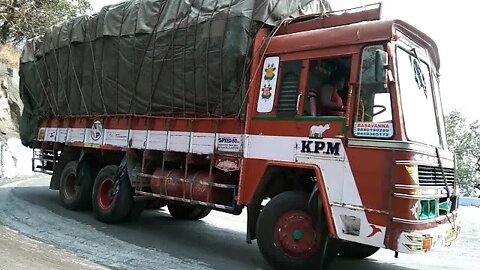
<point>219,246</point>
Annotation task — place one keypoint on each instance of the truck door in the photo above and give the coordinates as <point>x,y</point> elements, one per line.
<point>286,127</point>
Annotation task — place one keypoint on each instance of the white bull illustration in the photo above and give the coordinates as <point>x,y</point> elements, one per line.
<point>317,131</point>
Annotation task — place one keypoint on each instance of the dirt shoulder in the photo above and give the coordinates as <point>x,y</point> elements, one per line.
<point>20,252</point>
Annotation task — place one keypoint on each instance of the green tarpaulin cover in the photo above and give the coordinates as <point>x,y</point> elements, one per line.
<point>151,57</point>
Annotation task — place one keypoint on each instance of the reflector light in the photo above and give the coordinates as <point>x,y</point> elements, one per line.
<point>427,243</point>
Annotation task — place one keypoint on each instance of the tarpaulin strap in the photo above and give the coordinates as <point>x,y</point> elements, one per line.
<point>75,73</point>
<point>118,57</point>
<point>221,56</point>
<point>44,90</point>
<point>152,36</point>
<point>60,79</point>
<point>172,59</point>
<point>39,76</point>
<point>247,62</point>
<point>42,83</point>
<point>163,64</point>
<point>49,82</point>
<point>195,62</point>
<point>95,71</point>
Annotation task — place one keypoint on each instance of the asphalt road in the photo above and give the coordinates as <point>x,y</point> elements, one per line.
<point>156,241</point>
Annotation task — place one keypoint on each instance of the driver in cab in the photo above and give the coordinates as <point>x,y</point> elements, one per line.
<point>326,100</point>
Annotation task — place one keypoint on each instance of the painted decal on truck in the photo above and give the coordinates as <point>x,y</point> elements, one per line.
<point>320,147</point>
<point>373,130</point>
<point>268,85</point>
<point>317,131</point>
<point>229,143</point>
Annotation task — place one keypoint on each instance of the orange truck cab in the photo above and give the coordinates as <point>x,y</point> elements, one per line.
<point>342,149</point>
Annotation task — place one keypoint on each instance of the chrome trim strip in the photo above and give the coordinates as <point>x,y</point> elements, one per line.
<point>418,197</point>
<point>415,162</point>
<point>398,145</point>
<point>354,207</point>
<point>419,222</point>
<point>400,186</point>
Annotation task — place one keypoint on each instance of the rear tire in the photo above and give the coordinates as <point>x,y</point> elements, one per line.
<point>76,183</point>
<point>286,236</point>
<point>110,205</point>
<point>186,211</point>
<point>357,251</point>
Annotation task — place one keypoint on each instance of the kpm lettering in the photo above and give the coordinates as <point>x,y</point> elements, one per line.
<point>321,147</point>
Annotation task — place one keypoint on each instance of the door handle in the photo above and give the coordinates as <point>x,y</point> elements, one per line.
<point>298,102</point>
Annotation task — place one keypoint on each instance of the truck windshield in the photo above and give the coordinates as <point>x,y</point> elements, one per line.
<point>417,98</point>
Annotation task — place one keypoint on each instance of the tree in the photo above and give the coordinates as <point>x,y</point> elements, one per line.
<point>24,19</point>
<point>464,141</point>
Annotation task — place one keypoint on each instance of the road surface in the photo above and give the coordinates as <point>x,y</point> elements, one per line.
<point>20,252</point>
<point>156,241</point>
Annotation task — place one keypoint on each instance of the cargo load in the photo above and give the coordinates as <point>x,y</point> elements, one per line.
<point>148,57</point>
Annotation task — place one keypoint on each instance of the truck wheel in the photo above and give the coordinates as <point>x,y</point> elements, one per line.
<point>286,235</point>
<point>111,204</point>
<point>185,211</point>
<point>357,251</point>
<point>76,183</point>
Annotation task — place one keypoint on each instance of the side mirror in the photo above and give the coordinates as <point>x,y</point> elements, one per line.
<point>381,65</point>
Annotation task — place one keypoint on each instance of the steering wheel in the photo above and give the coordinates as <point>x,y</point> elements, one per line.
<point>383,109</point>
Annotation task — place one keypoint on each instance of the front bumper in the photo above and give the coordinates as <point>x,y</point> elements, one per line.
<point>425,240</point>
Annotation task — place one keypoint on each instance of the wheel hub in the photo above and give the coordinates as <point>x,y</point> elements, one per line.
<point>295,234</point>
<point>106,193</point>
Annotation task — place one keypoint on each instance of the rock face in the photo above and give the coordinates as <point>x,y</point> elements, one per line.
<point>10,103</point>
<point>15,160</point>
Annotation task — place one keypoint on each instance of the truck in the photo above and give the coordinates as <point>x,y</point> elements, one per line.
<point>210,106</point>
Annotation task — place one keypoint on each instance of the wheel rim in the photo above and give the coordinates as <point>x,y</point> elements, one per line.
<point>70,189</point>
<point>105,193</point>
<point>295,235</point>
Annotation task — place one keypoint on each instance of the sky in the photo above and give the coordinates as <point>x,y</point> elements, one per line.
<point>454,27</point>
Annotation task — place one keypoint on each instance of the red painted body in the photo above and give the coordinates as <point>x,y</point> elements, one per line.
<point>223,177</point>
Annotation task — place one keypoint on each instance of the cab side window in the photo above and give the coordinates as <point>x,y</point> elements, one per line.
<point>327,86</point>
<point>288,91</point>
<point>375,101</point>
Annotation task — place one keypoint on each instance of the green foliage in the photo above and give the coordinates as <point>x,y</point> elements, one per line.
<point>464,141</point>
<point>24,19</point>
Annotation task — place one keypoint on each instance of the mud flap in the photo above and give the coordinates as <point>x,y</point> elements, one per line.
<point>315,204</point>
<point>120,175</point>
<point>329,245</point>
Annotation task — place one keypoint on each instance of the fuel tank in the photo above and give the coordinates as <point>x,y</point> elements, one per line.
<point>193,186</point>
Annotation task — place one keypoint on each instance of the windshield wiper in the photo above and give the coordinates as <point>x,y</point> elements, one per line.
<point>419,76</point>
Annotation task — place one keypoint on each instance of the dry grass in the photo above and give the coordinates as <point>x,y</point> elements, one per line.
<point>10,55</point>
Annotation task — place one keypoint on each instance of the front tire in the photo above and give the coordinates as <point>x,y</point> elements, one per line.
<point>112,198</point>
<point>356,251</point>
<point>76,181</point>
<point>287,237</point>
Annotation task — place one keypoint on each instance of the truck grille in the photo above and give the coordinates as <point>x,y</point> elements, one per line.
<point>432,176</point>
